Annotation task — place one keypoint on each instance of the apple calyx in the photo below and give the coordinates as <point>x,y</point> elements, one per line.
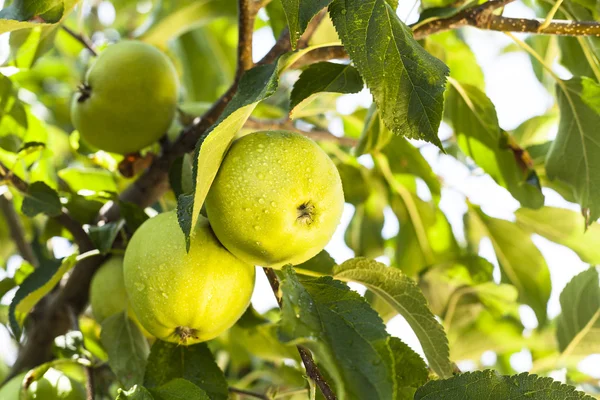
<point>185,333</point>
<point>85,91</point>
<point>306,213</point>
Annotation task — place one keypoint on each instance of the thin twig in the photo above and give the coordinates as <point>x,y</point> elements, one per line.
<point>81,39</point>
<point>248,393</point>
<point>482,17</point>
<point>317,134</point>
<point>475,16</point>
<point>17,232</point>
<point>312,370</point>
<point>321,54</point>
<point>247,10</point>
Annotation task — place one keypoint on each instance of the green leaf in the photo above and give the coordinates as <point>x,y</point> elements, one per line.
<point>324,77</point>
<point>345,334</point>
<point>256,84</point>
<point>127,349</point>
<point>41,198</point>
<point>565,227</point>
<point>578,326</point>
<point>404,158</point>
<point>425,236</point>
<point>321,264</point>
<point>490,385</point>
<point>104,236</point>
<point>455,53</point>
<point>24,10</point>
<point>375,135</point>
<point>277,18</point>
<point>195,363</point>
<point>192,15</point>
<point>39,283</point>
<point>403,294</point>
<point>363,234</point>
<point>479,136</point>
<point>89,179</point>
<point>536,130</point>
<point>22,14</point>
<point>135,393</point>
<point>575,154</point>
<point>411,371</point>
<point>406,81</point>
<point>179,389</point>
<point>299,13</point>
<point>520,261</point>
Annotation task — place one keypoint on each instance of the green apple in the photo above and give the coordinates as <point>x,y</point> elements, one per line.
<point>277,199</point>
<point>54,385</point>
<point>128,99</point>
<point>107,292</point>
<point>184,297</point>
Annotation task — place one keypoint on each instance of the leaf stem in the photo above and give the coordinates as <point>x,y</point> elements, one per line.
<point>81,39</point>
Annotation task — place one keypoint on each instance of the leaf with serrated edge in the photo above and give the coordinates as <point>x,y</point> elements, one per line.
<point>9,25</point>
<point>195,363</point>
<point>520,260</point>
<point>490,385</point>
<point>346,334</point>
<point>578,326</point>
<point>127,348</point>
<point>256,84</point>
<point>574,157</point>
<point>35,286</point>
<point>406,81</point>
<point>299,13</point>
<point>564,227</point>
<point>324,77</point>
<point>404,295</point>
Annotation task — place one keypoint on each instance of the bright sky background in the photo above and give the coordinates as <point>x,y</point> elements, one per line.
<point>517,95</point>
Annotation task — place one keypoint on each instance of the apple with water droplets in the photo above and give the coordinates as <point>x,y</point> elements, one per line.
<point>277,199</point>
<point>184,297</point>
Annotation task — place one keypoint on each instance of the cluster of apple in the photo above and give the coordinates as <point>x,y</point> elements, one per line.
<point>276,200</point>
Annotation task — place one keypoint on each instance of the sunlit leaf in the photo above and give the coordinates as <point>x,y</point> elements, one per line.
<point>404,295</point>
<point>578,326</point>
<point>575,155</point>
<point>491,385</point>
<point>521,262</point>
<point>36,286</point>
<point>407,83</point>
<point>475,124</point>
<point>565,227</point>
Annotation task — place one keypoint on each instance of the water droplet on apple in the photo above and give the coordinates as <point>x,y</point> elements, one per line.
<point>273,204</point>
<point>256,227</point>
<point>261,201</point>
<point>140,286</point>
